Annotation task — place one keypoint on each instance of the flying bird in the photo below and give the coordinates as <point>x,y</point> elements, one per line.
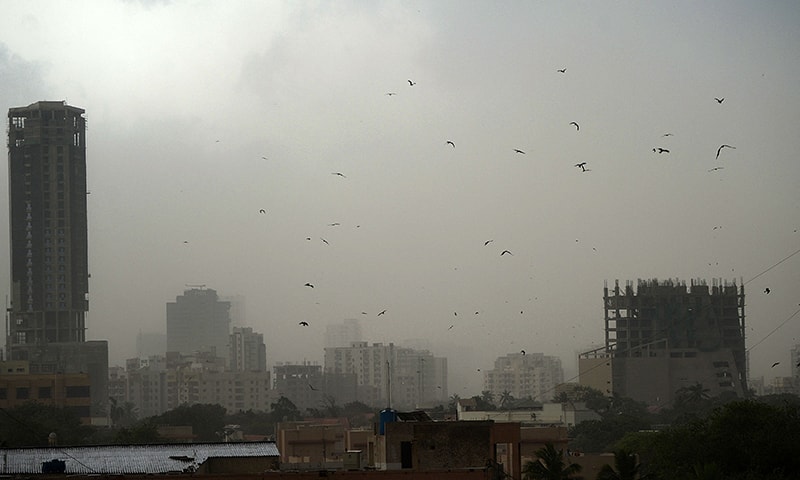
<point>522,352</point>
<point>723,146</point>
<point>519,151</point>
<point>339,174</point>
<point>582,166</point>
<point>719,100</point>
<point>303,324</point>
<point>577,127</point>
<point>324,241</point>
<point>775,364</point>
<point>667,135</point>
<point>660,150</point>
<point>767,290</point>
<point>562,70</point>
<point>263,158</point>
<point>381,313</point>
<point>308,285</point>
<point>390,93</point>
<point>451,144</point>
<point>451,327</point>
<point>411,84</point>
<point>716,168</point>
<point>503,253</point>
<point>487,242</point>
<point>312,387</point>
<point>334,224</point>
<point>262,211</point>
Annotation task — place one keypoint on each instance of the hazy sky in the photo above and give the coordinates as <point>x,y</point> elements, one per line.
<point>203,113</point>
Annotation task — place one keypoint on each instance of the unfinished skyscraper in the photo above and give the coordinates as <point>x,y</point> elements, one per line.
<point>662,337</point>
<point>46,321</point>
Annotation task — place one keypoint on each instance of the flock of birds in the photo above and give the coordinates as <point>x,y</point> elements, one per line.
<point>581,166</point>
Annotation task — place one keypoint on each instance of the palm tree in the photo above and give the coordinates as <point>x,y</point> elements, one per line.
<point>626,467</point>
<point>506,399</point>
<point>550,465</point>
<point>693,394</point>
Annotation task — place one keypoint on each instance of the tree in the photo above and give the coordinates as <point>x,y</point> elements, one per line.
<point>205,419</point>
<point>506,400</point>
<point>30,424</point>
<point>121,415</point>
<point>452,405</point>
<point>488,398</point>
<point>626,467</point>
<point>692,394</point>
<point>284,410</point>
<point>550,465</point>
<point>140,433</point>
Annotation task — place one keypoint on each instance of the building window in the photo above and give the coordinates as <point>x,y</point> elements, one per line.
<point>3,393</point>
<point>45,392</point>
<point>23,393</point>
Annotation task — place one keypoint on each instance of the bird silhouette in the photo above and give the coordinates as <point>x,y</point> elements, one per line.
<point>723,146</point>
<point>308,285</point>
<point>263,158</point>
<point>667,135</point>
<point>660,150</point>
<point>716,168</point>
<point>411,84</point>
<point>381,313</point>
<point>719,100</point>
<point>390,93</point>
<point>451,144</point>
<point>451,327</point>
<point>262,211</point>
<point>324,241</point>
<point>562,70</point>
<point>340,174</point>
<point>334,224</point>
<point>577,127</point>
<point>522,352</point>
<point>504,252</point>
<point>582,166</point>
<point>487,242</point>
<point>303,324</point>
<point>767,290</point>
<point>519,151</point>
<point>775,364</point>
<point>312,387</point>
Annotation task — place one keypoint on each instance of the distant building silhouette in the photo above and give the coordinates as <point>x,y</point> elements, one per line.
<point>198,321</point>
<point>247,351</point>
<point>528,375</point>
<point>49,246</point>
<point>661,337</point>
<point>343,334</point>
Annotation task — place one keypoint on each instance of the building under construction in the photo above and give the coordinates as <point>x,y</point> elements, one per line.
<point>662,336</point>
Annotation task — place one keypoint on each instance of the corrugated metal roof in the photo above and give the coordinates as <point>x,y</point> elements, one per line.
<point>130,459</point>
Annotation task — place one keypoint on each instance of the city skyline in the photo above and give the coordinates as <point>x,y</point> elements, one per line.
<point>256,149</point>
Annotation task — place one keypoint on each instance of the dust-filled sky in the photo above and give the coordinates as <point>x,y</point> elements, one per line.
<point>203,113</point>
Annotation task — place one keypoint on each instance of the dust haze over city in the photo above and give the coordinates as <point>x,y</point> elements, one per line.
<point>254,147</point>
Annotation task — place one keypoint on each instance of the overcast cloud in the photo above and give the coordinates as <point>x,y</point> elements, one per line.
<point>183,100</point>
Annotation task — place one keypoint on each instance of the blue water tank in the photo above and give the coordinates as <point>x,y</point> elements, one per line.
<point>387,415</point>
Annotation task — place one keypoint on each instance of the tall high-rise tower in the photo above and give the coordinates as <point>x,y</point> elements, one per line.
<point>198,321</point>
<point>47,199</point>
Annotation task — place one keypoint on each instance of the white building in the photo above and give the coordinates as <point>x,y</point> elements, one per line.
<point>531,375</point>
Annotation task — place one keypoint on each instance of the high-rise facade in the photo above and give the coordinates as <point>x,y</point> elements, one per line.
<point>247,351</point>
<point>662,336</point>
<point>198,321</point>
<point>46,321</point>
<point>524,375</point>
<point>47,199</point>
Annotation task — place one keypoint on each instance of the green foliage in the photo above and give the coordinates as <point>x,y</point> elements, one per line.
<point>600,435</point>
<point>29,425</point>
<point>745,439</point>
<point>550,465</point>
<point>140,433</point>
<point>206,420</point>
<point>626,467</point>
